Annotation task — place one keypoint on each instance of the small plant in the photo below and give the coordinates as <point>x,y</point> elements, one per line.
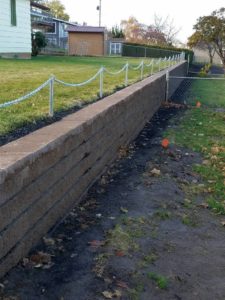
<point>161,281</point>
<point>38,42</point>
<point>216,206</point>
<point>136,292</point>
<point>186,220</point>
<point>205,70</point>
<point>163,215</point>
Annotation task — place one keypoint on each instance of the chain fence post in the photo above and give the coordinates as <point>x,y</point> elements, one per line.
<point>51,96</point>
<point>152,67</point>
<point>101,78</point>
<point>126,74</point>
<point>188,64</point>
<point>159,64</point>
<point>167,85</point>
<point>142,69</point>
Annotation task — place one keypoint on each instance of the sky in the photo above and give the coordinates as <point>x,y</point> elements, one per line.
<point>184,13</point>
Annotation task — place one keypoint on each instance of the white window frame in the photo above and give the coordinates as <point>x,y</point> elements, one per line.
<point>114,49</point>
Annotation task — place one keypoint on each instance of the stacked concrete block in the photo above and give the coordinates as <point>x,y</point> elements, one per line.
<point>46,173</point>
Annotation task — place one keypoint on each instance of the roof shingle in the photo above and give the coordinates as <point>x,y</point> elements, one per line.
<point>85,29</point>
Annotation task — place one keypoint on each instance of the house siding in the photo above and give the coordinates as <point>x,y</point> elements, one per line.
<point>15,39</point>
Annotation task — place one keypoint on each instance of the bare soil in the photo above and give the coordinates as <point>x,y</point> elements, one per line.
<point>135,225</point>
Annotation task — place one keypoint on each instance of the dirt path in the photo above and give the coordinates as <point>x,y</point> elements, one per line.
<point>139,234</point>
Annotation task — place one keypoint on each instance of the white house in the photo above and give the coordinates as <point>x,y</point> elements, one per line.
<point>15,28</point>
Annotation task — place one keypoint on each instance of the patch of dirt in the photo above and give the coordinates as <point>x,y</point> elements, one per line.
<point>139,234</point>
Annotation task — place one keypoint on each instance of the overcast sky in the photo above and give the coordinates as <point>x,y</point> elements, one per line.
<point>184,13</point>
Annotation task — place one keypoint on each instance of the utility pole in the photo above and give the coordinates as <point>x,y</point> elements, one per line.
<point>99,8</point>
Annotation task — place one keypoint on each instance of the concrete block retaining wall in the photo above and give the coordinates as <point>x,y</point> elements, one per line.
<point>44,174</point>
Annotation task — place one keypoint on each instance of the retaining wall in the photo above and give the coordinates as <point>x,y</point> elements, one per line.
<point>44,174</point>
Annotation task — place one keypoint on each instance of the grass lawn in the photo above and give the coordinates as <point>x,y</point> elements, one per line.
<point>18,77</point>
<point>203,130</point>
<point>209,92</point>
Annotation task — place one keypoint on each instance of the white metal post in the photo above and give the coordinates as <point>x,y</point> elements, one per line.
<point>167,85</point>
<point>159,63</point>
<point>142,69</point>
<point>101,77</point>
<point>152,68</point>
<point>126,74</point>
<point>51,96</point>
<point>188,64</point>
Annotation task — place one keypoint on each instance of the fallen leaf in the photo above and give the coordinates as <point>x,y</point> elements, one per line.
<point>117,294</point>
<point>2,286</point>
<point>38,266</point>
<point>165,143</point>
<point>203,205</point>
<point>98,216</point>
<point>84,226</point>
<point>123,152</point>
<point>119,253</point>
<point>223,223</point>
<point>123,210</point>
<point>103,180</point>
<point>155,172</point>
<point>107,294</point>
<point>215,150</point>
<point>40,258</point>
<point>206,162</point>
<point>96,243</point>
<point>49,241</point>
<point>25,261</point>
<point>122,284</point>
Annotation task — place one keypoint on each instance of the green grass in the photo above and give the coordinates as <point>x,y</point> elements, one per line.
<point>18,77</point>
<point>209,92</point>
<point>203,130</point>
<point>162,214</point>
<point>161,281</point>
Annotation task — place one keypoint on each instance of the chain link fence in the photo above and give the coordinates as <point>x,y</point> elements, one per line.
<point>194,90</point>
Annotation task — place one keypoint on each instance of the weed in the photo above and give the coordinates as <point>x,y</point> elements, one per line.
<point>121,240</point>
<point>136,292</point>
<point>161,281</point>
<point>148,259</point>
<point>186,220</point>
<point>216,206</point>
<point>162,214</point>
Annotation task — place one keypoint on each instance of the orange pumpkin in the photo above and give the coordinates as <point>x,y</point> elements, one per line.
<point>165,143</point>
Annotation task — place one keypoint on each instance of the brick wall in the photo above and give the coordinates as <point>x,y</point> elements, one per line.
<point>44,174</point>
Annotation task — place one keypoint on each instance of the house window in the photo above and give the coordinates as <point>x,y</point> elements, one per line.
<point>13,12</point>
<point>51,29</point>
<point>115,48</point>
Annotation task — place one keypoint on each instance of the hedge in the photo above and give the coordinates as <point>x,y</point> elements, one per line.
<point>140,50</point>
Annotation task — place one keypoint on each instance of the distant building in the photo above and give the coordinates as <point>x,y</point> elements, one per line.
<point>15,29</point>
<point>115,46</point>
<point>55,30</point>
<point>87,40</point>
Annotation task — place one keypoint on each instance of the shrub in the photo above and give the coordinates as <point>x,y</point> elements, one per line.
<point>205,70</point>
<point>38,42</point>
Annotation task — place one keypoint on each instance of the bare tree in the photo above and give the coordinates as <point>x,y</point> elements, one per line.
<point>167,27</point>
